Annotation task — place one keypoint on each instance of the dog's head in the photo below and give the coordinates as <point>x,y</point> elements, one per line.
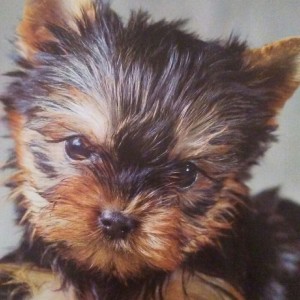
<point>132,139</point>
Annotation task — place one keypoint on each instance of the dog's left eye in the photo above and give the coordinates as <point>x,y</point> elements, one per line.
<point>77,148</point>
<point>188,174</point>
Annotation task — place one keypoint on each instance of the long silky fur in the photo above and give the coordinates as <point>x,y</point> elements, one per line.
<point>149,95</point>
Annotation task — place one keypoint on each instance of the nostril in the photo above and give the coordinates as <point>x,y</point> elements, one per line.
<point>106,222</point>
<point>125,229</point>
<point>116,225</point>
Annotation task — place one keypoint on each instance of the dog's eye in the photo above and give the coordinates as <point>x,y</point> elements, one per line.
<point>188,173</point>
<point>77,148</point>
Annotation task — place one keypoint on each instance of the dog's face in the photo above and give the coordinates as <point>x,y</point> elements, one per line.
<point>131,139</point>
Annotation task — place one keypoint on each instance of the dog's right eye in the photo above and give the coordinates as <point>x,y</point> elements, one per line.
<point>77,148</point>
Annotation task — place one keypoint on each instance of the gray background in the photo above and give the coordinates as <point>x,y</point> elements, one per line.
<point>257,21</point>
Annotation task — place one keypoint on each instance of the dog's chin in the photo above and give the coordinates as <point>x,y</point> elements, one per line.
<point>123,259</point>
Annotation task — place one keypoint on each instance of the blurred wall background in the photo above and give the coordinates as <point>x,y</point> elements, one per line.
<point>258,21</point>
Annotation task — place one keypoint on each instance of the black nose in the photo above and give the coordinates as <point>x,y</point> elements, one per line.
<point>115,225</point>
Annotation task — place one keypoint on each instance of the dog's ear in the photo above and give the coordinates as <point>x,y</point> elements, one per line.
<point>276,68</point>
<point>33,31</point>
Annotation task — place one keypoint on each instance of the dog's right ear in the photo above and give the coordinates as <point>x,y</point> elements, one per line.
<point>33,31</point>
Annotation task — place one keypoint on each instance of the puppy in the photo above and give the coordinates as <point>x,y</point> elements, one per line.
<point>132,144</point>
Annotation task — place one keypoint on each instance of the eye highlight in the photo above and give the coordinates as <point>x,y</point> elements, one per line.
<point>188,174</point>
<point>77,148</point>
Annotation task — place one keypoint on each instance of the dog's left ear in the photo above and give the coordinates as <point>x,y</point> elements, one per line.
<point>276,69</point>
<point>33,31</point>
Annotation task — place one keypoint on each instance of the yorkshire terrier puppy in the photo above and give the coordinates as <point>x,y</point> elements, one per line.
<point>132,145</point>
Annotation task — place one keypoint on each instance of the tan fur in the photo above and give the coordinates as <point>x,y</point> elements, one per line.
<point>42,284</point>
<point>193,139</point>
<point>205,230</point>
<point>274,53</point>
<point>155,243</point>
<point>200,287</point>
<point>86,115</point>
<point>38,13</point>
